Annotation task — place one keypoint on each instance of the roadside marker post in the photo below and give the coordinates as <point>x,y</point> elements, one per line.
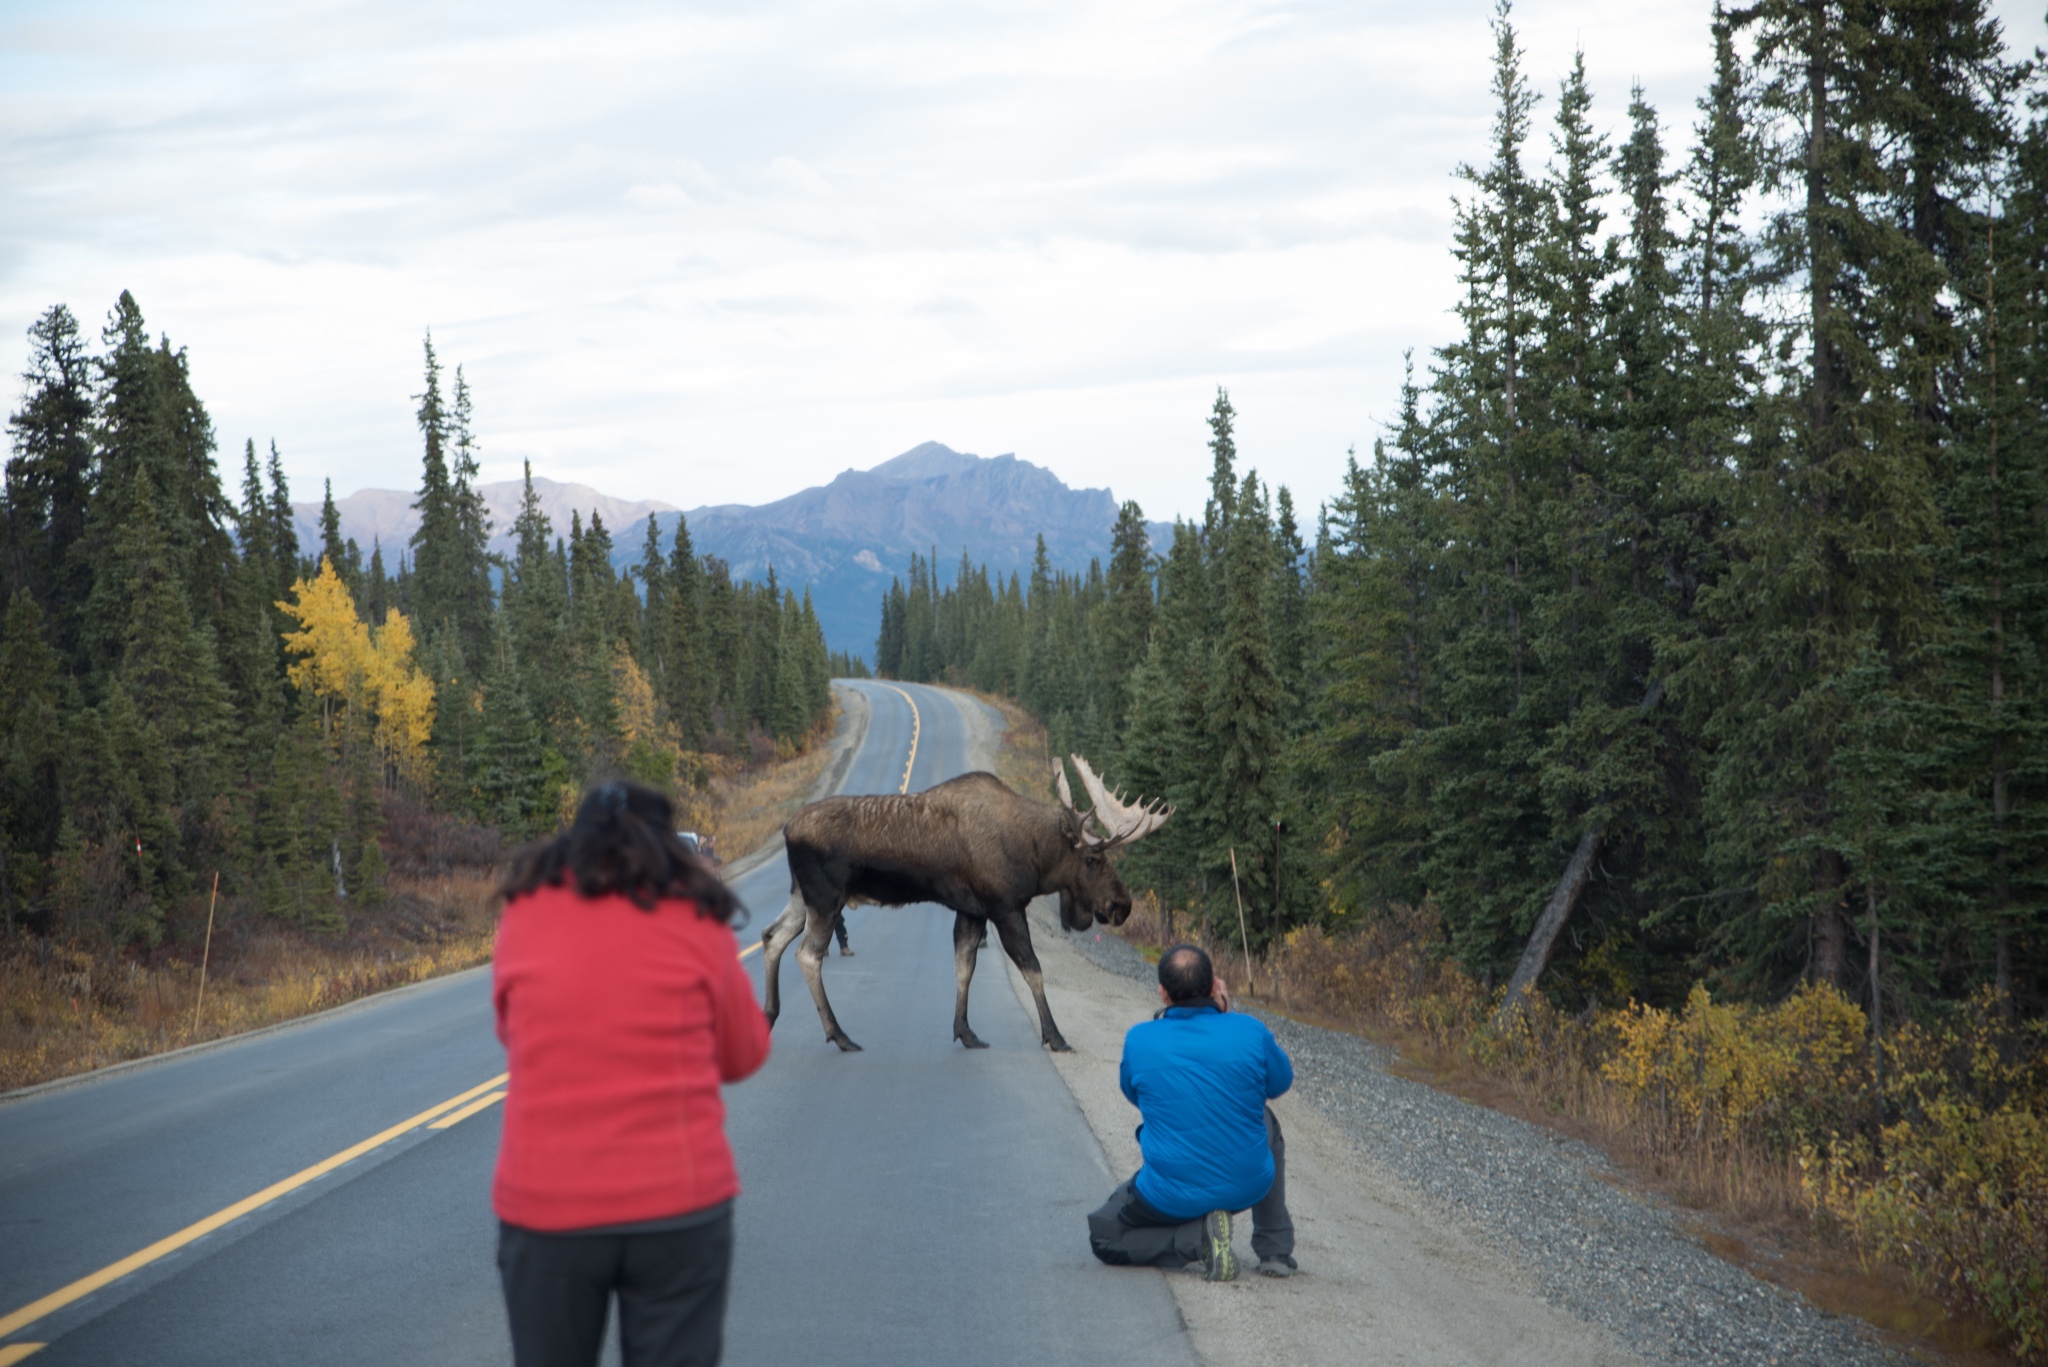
<point>1251,989</point>
<point>207,952</point>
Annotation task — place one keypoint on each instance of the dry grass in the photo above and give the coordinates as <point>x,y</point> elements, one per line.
<point>742,808</point>
<point>1022,760</point>
<point>67,1009</point>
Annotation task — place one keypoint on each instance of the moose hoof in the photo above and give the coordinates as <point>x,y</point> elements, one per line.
<point>970,1039</point>
<point>846,1046</point>
<point>1059,1046</point>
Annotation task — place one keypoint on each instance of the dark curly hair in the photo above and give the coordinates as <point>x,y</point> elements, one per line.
<point>623,841</point>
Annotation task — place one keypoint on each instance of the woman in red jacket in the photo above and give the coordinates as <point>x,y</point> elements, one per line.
<point>623,1007</point>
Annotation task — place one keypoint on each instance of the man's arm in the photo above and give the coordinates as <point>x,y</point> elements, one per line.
<point>1123,1075</point>
<point>1279,1068</point>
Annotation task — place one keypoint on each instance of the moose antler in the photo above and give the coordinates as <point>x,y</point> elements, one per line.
<point>1121,822</point>
<point>1083,835</point>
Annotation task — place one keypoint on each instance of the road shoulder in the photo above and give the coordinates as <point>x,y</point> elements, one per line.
<point>1384,1276</point>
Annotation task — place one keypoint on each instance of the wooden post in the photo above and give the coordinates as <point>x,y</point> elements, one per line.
<point>207,952</point>
<point>1250,988</point>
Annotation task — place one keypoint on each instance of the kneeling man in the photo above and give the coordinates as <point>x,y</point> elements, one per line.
<point>1200,1076</point>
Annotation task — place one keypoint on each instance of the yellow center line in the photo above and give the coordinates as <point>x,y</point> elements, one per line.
<point>916,728</point>
<point>457,1117</point>
<point>15,1352</point>
<point>113,1272</point>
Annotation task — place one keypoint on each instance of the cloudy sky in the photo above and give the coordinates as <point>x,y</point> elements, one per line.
<point>714,252</point>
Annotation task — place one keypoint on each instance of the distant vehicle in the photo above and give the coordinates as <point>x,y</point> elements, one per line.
<point>690,841</point>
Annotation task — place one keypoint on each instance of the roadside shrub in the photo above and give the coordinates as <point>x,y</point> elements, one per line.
<point>1781,1074</point>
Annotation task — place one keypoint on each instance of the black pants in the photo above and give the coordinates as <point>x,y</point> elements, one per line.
<point>671,1288</point>
<point>839,928</point>
<point>1125,1231</point>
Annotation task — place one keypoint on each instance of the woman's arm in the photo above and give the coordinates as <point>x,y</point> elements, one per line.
<point>741,1027</point>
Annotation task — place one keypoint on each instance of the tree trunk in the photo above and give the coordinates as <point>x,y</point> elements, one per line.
<point>1830,963</point>
<point>1564,899</point>
<point>1876,996</point>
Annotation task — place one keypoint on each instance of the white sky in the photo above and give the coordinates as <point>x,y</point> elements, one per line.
<point>719,252</point>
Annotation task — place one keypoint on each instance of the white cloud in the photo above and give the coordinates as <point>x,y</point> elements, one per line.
<point>717,252</point>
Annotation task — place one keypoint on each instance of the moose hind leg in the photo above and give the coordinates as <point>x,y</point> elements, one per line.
<point>967,936</point>
<point>1016,934</point>
<point>810,957</point>
<point>781,933</point>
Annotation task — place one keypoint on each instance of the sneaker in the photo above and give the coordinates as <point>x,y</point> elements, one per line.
<point>1281,1266</point>
<point>1218,1261</point>
<point>845,953</point>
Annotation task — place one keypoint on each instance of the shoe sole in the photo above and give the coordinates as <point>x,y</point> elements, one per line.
<point>1221,1263</point>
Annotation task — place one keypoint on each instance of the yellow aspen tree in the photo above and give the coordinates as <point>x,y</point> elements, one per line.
<point>337,659</point>
<point>650,748</point>
<point>403,696</point>
<point>331,649</point>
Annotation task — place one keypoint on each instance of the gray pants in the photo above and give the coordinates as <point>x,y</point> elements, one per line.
<point>1125,1231</point>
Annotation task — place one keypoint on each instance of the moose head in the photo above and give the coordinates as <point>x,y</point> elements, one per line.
<point>1095,893</point>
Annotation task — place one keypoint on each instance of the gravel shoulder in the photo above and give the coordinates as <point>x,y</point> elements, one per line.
<point>1552,1210</point>
<point>1431,1230</point>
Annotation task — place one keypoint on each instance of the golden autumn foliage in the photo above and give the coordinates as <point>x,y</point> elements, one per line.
<point>1776,1073</point>
<point>338,659</point>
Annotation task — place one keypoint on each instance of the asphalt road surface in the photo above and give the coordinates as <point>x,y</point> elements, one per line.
<point>911,1203</point>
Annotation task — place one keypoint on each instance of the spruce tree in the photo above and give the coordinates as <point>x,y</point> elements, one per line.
<point>49,476</point>
<point>1245,706</point>
<point>442,553</point>
<point>344,555</point>
<point>1123,624</point>
<point>1829,570</point>
<point>508,770</point>
<point>31,756</point>
<point>155,444</point>
<point>691,658</point>
<point>170,670</point>
<point>468,563</point>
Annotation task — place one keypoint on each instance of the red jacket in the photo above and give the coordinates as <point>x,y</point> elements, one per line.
<point>619,1024</point>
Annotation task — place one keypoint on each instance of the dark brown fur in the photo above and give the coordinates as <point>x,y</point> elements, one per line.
<point>969,844</point>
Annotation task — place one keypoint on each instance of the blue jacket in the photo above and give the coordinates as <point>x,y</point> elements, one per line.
<point>1201,1078</point>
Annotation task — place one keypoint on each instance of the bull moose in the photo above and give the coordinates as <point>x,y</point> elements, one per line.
<point>969,844</point>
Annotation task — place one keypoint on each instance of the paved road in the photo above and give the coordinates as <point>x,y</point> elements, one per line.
<point>913,1202</point>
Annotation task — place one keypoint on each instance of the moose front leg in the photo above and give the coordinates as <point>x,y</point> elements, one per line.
<point>810,957</point>
<point>781,933</point>
<point>1016,935</point>
<point>968,934</point>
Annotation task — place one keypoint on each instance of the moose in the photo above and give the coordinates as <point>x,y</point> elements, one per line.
<point>970,844</point>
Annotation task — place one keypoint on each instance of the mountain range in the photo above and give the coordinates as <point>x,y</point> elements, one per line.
<point>844,540</point>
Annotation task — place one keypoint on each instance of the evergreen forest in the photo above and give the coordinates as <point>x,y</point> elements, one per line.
<point>1687,621</point>
<point>187,691</point>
